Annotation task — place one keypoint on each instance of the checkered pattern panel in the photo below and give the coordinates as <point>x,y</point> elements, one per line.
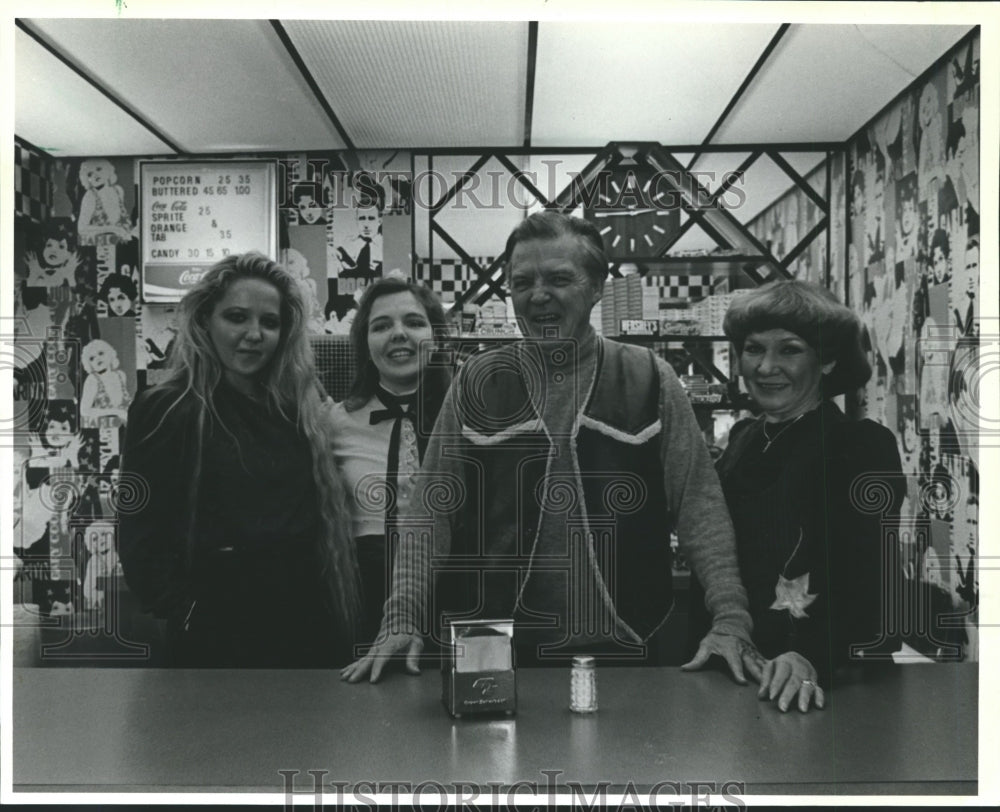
<point>334,364</point>
<point>688,288</point>
<point>449,277</point>
<point>32,186</point>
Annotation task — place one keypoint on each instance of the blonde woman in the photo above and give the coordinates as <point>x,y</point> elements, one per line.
<point>240,536</point>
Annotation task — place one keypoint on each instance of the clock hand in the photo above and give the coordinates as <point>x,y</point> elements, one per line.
<point>630,212</point>
<point>627,213</point>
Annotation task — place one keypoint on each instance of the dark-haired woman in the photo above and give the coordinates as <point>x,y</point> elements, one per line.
<point>239,530</point>
<point>382,427</point>
<point>809,491</point>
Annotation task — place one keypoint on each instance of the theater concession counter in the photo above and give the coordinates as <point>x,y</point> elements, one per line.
<point>910,730</point>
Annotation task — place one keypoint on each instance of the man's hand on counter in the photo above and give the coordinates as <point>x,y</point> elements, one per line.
<point>737,653</point>
<point>381,653</point>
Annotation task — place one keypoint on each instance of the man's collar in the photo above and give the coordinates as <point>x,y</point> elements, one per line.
<point>557,353</point>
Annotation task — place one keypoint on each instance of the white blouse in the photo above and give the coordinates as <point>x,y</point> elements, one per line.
<point>361,451</point>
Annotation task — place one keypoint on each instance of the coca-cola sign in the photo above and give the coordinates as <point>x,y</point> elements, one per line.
<point>190,277</point>
<point>195,213</point>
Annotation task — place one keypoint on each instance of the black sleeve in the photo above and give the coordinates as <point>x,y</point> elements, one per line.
<point>868,491</point>
<point>156,470</point>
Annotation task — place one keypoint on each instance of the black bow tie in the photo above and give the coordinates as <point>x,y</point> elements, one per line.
<point>394,406</point>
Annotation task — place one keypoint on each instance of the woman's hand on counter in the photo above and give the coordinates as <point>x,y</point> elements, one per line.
<point>380,654</point>
<point>788,676</point>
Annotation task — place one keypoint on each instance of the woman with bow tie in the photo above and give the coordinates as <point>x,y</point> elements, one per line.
<point>382,426</point>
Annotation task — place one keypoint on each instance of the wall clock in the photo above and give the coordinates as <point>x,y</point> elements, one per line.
<point>635,211</point>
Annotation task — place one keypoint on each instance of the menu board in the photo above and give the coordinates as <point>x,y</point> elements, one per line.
<point>195,213</point>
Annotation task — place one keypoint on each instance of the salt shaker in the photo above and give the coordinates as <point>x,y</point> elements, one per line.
<point>583,685</point>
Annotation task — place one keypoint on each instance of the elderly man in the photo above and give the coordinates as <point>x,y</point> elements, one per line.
<point>557,468</point>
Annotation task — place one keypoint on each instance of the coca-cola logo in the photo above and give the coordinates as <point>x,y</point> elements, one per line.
<point>191,277</point>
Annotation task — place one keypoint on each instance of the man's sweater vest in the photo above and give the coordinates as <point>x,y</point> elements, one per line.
<point>617,444</point>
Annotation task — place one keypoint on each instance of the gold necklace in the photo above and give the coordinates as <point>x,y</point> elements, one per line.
<point>770,440</point>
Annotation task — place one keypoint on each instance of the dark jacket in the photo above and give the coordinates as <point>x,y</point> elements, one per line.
<point>155,512</point>
<point>816,519</point>
<point>222,540</point>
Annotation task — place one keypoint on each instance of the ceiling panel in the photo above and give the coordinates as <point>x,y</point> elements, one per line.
<point>216,86</point>
<point>61,113</point>
<point>208,85</point>
<point>824,82</point>
<point>435,84</point>
<point>913,47</point>
<point>644,81</point>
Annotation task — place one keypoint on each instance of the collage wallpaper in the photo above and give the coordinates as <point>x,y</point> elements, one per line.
<point>912,274</point>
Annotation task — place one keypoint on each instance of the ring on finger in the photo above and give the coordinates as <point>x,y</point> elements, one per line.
<point>808,682</point>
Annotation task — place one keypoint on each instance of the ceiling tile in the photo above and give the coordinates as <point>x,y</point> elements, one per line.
<point>431,84</point>
<point>208,85</point>
<point>824,82</point>
<point>644,81</point>
<point>912,47</point>
<point>61,113</point>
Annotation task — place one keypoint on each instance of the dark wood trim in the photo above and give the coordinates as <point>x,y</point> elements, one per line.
<point>529,84</point>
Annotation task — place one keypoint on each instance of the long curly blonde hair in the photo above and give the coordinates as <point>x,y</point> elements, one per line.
<point>291,388</point>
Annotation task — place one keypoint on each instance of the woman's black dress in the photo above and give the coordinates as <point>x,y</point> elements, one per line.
<point>816,519</point>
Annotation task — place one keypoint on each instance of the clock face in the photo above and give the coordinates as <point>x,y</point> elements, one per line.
<point>634,211</point>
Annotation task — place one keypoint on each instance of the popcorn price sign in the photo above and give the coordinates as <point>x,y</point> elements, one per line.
<point>194,214</point>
